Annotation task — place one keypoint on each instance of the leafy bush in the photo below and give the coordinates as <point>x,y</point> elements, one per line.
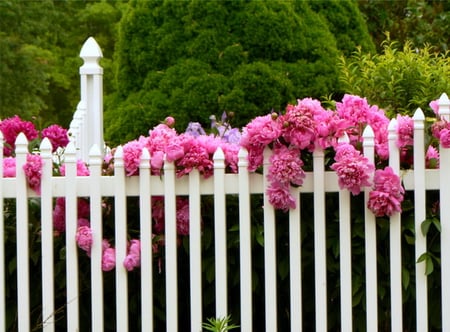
<point>398,80</point>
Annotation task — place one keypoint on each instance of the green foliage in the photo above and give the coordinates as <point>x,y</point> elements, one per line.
<point>420,22</point>
<point>192,59</point>
<point>219,324</point>
<point>398,80</point>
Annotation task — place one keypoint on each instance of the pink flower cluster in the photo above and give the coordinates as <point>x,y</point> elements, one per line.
<point>387,194</point>
<point>354,171</point>
<point>133,258</point>
<point>12,127</point>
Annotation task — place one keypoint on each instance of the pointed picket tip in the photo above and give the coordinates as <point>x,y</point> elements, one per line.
<point>368,132</point>
<point>91,49</point>
<point>219,155</point>
<point>443,99</point>
<point>419,115</point>
<point>119,152</point>
<point>46,146</point>
<point>392,125</point>
<point>344,138</point>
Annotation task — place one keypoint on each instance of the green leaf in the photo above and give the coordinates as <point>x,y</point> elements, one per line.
<point>437,223</point>
<point>429,266</point>
<point>425,226</point>
<point>405,278</point>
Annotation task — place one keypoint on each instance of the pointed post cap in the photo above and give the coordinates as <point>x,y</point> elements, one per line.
<point>91,53</point>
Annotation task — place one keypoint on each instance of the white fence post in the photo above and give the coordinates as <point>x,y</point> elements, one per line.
<point>444,112</point>
<point>2,246</point>
<point>91,76</point>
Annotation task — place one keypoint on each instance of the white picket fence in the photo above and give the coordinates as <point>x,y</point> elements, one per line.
<point>243,184</point>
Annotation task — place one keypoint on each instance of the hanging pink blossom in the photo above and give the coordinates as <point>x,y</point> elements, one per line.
<point>108,259</point>
<point>445,138</point>
<point>132,156</point>
<point>353,169</point>
<point>280,197</point>
<point>84,239</point>
<point>9,167</point>
<point>432,157</point>
<point>286,166</point>
<point>182,216</point>
<point>33,171</point>
<point>387,194</point>
<point>11,128</point>
<point>57,135</point>
<point>133,258</point>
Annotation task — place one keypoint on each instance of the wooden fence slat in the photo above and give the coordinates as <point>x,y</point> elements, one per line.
<point>48,288</point>
<point>2,246</point>
<point>220,234</point>
<point>371,243</point>
<point>395,239</point>
<point>171,247</point>
<point>270,254</point>
<point>23,269</point>
<point>146,242</point>
<point>419,217</point>
<point>295,264</point>
<point>345,249</point>
<point>444,112</point>
<point>245,243</point>
<point>71,246</point>
<point>95,163</point>
<point>320,261</point>
<point>195,250</point>
<point>120,236</point>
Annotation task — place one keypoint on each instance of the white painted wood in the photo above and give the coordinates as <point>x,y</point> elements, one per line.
<point>171,248</point>
<point>70,194</point>
<point>2,247</point>
<point>48,289</point>
<point>395,239</point>
<point>270,254</point>
<point>95,199</point>
<point>419,217</point>
<point>220,234</point>
<point>23,269</point>
<point>121,242</point>
<point>320,254</point>
<point>245,240</point>
<point>146,242</point>
<point>370,244</point>
<point>195,250</point>
<point>444,112</point>
<point>295,264</point>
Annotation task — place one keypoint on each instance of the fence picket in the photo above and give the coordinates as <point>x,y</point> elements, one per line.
<point>245,240</point>
<point>195,250</point>
<point>120,236</point>
<point>270,256</point>
<point>23,270</point>
<point>2,247</point>
<point>95,163</point>
<point>220,234</point>
<point>71,246</point>
<point>444,112</point>
<point>171,247</point>
<point>370,244</point>
<point>419,217</point>
<point>295,264</point>
<point>48,293</point>
<point>146,241</point>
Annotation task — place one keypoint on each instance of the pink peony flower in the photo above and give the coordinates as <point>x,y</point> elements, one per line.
<point>387,194</point>
<point>182,216</point>
<point>57,135</point>
<point>11,128</point>
<point>435,106</point>
<point>432,157</point>
<point>353,169</point>
<point>169,121</point>
<point>445,138</point>
<point>405,131</point>
<point>280,197</point>
<point>261,131</point>
<point>82,169</point>
<point>132,156</point>
<point>196,156</point>
<point>84,239</point>
<point>133,258</point>
<point>286,166</point>
<point>33,171</point>
<point>109,259</point>
<point>9,167</point>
